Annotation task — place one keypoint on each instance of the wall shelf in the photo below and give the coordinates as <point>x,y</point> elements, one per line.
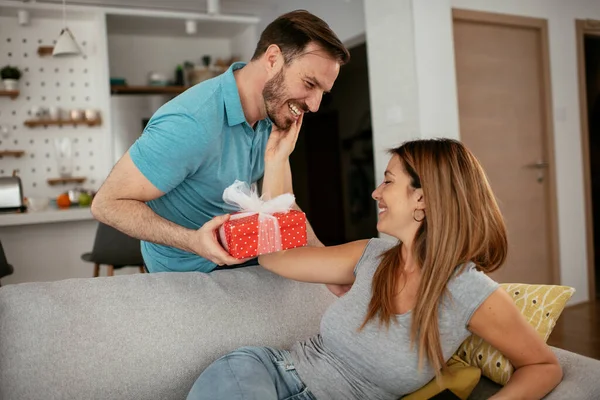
<point>73,179</point>
<point>11,153</point>
<point>13,94</point>
<point>32,123</point>
<point>147,89</point>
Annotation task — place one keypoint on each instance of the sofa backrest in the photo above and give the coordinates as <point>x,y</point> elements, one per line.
<point>144,336</point>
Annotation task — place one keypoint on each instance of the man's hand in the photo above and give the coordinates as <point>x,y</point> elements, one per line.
<point>281,143</point>
<point>206,244</point>
<point>339,290</point>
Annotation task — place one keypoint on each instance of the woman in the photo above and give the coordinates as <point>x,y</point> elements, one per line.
<point>412,301</point>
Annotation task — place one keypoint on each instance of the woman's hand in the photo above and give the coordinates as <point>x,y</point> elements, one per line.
<point>281,143</point>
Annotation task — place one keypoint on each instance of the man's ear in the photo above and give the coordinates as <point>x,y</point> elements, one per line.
<point>273,59</point>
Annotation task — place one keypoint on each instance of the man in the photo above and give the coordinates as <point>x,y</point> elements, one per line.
<point>167,189</point>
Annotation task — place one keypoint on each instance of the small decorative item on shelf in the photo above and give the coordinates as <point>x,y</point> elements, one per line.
<point>10,77</point>
<point>91,115</point>
<point>55,116</point>
<point>64,156</point>
<point>157,79</point>
<point>179,81</point>
<point>76,114</point>
<point>118,82</point>
<point>36,204</point>
<point>55,113</point>
<point>222,64</point>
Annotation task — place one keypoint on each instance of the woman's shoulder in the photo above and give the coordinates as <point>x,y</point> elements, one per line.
<point>380,245</point>
<point>371,255</point>
<point>469,285</point>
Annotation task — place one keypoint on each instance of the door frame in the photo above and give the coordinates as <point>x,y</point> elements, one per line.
<point>586,28</point>
<point>540,25</point>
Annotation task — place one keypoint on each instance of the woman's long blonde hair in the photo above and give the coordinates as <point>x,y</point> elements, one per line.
<point>463,223</point>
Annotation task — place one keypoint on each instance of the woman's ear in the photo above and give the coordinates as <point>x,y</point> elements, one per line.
<point>420,199</point>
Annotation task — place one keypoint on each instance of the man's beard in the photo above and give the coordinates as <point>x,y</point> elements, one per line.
<point>274,97</point>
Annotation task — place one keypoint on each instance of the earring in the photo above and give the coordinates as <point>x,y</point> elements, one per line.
<point>415,215</point>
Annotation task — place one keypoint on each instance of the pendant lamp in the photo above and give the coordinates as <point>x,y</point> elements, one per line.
<point>66,45</point>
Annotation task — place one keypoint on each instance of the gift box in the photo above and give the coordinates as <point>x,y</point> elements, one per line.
<point>245,238</point>
<point>260,226</point>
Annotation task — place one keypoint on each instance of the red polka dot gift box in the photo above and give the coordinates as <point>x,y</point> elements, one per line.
<point>261,226</point>
<point>250,236</point>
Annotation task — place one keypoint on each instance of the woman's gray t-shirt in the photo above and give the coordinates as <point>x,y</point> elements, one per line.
<point>374,363</point>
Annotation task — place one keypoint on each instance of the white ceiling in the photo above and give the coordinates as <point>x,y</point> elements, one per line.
<point>244,7</point>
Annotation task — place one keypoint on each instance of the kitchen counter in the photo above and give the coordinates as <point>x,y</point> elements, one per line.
<point>47,245</point>
<point>47,216</point>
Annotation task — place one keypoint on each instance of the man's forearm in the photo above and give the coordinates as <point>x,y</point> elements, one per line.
<point>138,220</point>
<point>273,183</point>
<point>287,178</point>
<point>278,180</point>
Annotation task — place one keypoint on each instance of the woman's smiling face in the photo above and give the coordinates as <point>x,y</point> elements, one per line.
<point>397,201</point>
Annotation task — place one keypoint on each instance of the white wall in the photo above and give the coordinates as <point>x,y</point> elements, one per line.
<point>243,44</point>
<point>133,56</point>
<point>436,75</point>
<point>436,95</point>
<point>392,76</point>
<point>345,17</point>
<point>127,112</point>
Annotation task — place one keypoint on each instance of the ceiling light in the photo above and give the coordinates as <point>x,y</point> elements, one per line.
<point>212,7</point>
<point>66,45</point>
<point>191,27</point>
<point>23,17</point>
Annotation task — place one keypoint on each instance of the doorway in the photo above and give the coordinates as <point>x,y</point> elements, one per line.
<point>504,97</point>
<point>588,53</point>
<point>332,165</point>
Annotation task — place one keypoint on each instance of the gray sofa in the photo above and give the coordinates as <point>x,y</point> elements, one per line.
<point>148,336</point>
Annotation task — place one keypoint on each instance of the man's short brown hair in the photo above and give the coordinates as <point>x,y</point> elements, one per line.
<point>293,31</point>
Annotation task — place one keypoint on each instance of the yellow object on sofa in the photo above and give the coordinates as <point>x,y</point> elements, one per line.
<point>540,304</point>
<point>461,379</point>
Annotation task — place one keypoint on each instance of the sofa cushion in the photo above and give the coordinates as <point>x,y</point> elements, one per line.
<point>143,336</point>
<point>460,378</point>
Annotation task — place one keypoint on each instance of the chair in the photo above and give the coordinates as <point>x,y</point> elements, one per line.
<point>5,268</point>
<point>114,249</point>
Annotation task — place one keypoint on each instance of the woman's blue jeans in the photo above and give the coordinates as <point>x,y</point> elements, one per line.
<point>251,373</point>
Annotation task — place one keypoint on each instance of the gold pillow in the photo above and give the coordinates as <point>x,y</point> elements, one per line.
<point>460,378</point>
<point>540,304</point>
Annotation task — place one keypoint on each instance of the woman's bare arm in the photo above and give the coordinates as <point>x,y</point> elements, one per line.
<point>537,371</point>
<point>331,265</point>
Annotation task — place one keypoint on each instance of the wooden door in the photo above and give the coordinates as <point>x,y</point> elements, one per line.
<point>505,119</point>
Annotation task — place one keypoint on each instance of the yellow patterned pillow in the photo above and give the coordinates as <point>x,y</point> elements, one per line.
<point>540,304</point>
<point>459,378</point>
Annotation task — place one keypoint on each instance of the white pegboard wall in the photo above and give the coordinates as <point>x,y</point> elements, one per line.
<point>69,82</point>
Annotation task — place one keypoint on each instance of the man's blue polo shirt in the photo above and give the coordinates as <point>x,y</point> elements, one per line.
<point>193,147</point>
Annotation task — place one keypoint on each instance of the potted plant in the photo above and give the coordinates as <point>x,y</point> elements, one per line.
<point>10,77</point>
